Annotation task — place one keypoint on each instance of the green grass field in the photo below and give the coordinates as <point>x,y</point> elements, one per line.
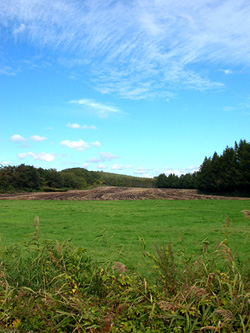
<point>45,286</point>
<point>114,230</point>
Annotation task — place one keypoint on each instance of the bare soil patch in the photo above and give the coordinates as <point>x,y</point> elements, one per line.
<point>117,193</point>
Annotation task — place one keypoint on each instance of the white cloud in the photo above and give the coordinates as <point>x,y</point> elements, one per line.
<point>192,169</point>
<point>102,109</point>
<point>181,171</point>
<point>77,126</point>
<point>143,174</point>
<point>146,175</point>
<point>5,163</point>
<point>139,172</point>
<point>93,160</point>
<point>103,157</point>
<point>101,166</point>
<point>108,156</point>
<point>128,167</point>
<point>142,170</point>
<point>227,71</point>
<point>79,145</point>
<point>117,167</point>
<point>85,165</point>
<point>17,138</point>
<point>95,144</point>
<point>37,138</point>
<point>40,156</point>
<point>73,125</point>
<point>167,170</point>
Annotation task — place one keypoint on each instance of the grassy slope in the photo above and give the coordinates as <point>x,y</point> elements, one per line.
<point>111,230</point>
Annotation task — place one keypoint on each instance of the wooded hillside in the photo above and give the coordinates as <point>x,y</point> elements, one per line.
<point>26,178</point>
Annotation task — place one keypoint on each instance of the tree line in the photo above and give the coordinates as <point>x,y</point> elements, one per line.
<point>26,178</point>
<point>187,181</point>
<point>228,173</point>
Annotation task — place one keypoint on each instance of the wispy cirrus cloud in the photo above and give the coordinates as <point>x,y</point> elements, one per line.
<point>241,106</point>
<point>19,29</point>
<point>7,70</point>
<point>101,109</point>
<point>137,49</point>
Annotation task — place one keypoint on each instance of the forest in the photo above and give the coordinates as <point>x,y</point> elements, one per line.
<point>26,178</point>
<point>228,173</point>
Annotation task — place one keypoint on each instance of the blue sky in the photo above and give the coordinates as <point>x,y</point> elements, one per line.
<point>136,87</point>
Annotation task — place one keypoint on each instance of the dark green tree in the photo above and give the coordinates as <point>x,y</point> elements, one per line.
<point>227,173</point>
<point>161,181</point>
<point>243,160</point>
<point>204,175</point>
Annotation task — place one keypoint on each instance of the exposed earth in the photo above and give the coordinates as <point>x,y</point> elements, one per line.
<point>116,193</point>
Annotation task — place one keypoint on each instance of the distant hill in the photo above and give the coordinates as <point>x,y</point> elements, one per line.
<point>26,178</point>
<point>111,179</point>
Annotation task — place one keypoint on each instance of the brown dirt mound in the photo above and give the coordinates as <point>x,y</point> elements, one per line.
<point>116,193</point>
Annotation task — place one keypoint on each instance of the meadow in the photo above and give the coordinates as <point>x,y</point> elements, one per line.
<point>122,230</point>
<point>193,285</point>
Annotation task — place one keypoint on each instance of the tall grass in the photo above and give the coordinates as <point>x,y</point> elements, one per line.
<point>47,286</point>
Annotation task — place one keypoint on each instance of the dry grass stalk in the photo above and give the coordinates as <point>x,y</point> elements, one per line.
<point>166,306</point>
<point>197,292</point>
<point>36,225</point>
<point>120,267</point>
<point>225,314</point>
<point>36,221</point>
<point>246,213</point>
